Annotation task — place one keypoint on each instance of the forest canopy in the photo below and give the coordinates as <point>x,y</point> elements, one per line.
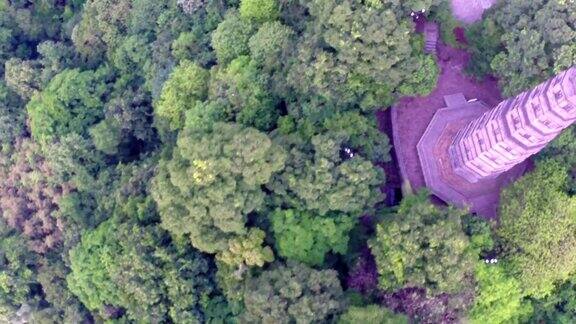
<point>226,161</point>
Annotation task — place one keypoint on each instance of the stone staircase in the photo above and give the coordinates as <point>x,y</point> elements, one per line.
<point>431,35</point>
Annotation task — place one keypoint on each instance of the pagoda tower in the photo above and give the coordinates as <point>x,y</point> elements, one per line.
<point>470,151</point>
<point>515,129</point>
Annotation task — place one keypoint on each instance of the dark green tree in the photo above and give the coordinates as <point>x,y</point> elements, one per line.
<point>422,245</point>
<point>524,43</point>
<point>292,293</point>
<point>12,118</point>
<point>317,178</point>
<point>558,307</point>
<point>271,45</point>
<point>213,182</point>
<point>17,269</point>
<point>127,266</point>
<point>538,229</point>
<point>242,91</point>
<point>230,39</point>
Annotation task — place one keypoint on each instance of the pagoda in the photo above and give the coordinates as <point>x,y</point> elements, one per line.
<point>470,151</point>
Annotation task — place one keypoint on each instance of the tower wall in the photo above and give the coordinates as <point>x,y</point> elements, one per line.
<point>515,129</point>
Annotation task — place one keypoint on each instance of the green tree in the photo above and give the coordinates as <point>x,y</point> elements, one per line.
<point>259,10</point>
<point>292,293</point>
<point>362,135</point>
<point>230,39</point>
<point>52,277</point>
<point>126,265</point>
<point>187,84</point>
<point>106,137</point>
<point>12,118</point>
<point>73,160</point>
<point>372,314</point>
<point>559,307</point>
<point>247,251</point>
<point>538,229</point>
<point>354,53</point>
<point>213,181</point>
<point>318,179</point>
<point>17,276</point>
<point>563,150</point>
<point>131,55</point>
<point>271,45</point>
<point>424,246</point>
<point>422,81</point>
<point>23,77</point>
<point>499,297</point>
<point>243,91</point>
<point>307,238</point>
<point>71,102</point>
<point>101,27</point>
<point>524,43</point>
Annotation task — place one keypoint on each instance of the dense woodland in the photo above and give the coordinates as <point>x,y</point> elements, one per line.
<point>219,161</point>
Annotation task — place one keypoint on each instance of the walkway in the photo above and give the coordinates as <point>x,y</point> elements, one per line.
<point>470,11</point>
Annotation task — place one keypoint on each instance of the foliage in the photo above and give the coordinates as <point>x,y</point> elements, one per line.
<point>125,265</point>
<point>137,135</point>
<point>259,10</point>
<point>371,314</point>
<point>537,222</point>
<point>423,246</point>
<point>271,44</point>
<point>242,92</point>
<point>292,293</point>
<point>16,269</point>
<point>187,84</point>
<point>71,103</point>
<point>213,181</point>
<point>29,199</point>
<point>558,307</point>
<point>499,298</point>
<point>307,238</point>
<point>230,39</point>
<point>354,53</point>
<point>318,179</point>
<point>247,251</point>
<point>525,42</point>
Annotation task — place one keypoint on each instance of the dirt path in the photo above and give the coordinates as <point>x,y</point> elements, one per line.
<point>470,11</point>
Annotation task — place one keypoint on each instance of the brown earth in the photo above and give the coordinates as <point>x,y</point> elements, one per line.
<point>413,114</point>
